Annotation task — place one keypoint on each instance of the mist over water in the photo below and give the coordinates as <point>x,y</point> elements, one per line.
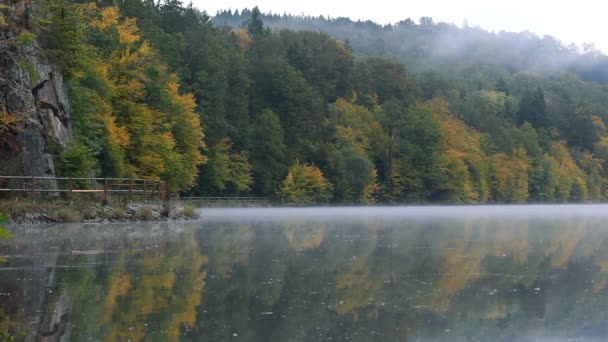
<point>315,274</point>
<point>427,213</point>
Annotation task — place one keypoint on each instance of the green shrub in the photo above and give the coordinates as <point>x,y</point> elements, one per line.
<point>106,214</point>
<point>76,160</point>
<point>3,231</point>
<point>68,215</point>
<point>120,214</point>
<point>25,39</point>
<point>189,212</point>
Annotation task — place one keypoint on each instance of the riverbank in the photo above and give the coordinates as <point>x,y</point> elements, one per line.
<point>25,212</point>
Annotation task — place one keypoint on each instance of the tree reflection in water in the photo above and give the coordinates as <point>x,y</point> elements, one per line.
<point>296,279</point>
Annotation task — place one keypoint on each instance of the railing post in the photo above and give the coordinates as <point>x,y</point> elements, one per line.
<point>160,190</point>
<point>33,189</point>
<point>131,190</point>
<point>105,190</point>
<point>145,188</point>
<point>153,188</point>
<point>70,187</point>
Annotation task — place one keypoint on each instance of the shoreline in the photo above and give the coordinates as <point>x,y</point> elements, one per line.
<point>22,213</point>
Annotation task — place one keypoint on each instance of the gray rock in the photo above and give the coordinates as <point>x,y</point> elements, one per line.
<point>43,109</point>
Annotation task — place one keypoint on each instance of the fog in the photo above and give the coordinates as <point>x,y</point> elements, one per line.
<point>423,44</point>
<point>325,214</point>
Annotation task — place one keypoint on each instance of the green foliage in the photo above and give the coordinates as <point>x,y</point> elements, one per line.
<point>130,116</point>
<point>3,22</point>
<point>75,160</point>
<point>452,130</point>
<point>533,109</point>
<point>3,231</point>
<point>68,215</point>
<point>255,25</point>
<point>268,152</point>
<point>25,39</point>
<point>31,71</point>
<point>227,170</point>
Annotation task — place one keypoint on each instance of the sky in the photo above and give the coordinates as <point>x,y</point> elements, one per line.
<point>581,21</point>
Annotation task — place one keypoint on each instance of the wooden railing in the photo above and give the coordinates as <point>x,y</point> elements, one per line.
<point>224,199</point>
<point>145,189</point>
<point>237,201</point>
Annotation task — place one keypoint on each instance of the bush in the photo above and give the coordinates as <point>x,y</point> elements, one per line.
<point>68,215</point>
<point>25,39</point>
<point>120,214</point>
<point>76,160</point>
<point>189,212</point>
<point>305,185</point>
<point>105,214</point>
<point>3,231</point>
<point>146,213</point>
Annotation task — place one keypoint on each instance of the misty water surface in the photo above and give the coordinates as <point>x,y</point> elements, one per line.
<point>360,274</point>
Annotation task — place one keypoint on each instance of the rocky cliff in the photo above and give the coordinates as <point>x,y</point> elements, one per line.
<point>33,97</point>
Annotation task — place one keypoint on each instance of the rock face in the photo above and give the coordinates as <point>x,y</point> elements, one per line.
<point>31,90</point>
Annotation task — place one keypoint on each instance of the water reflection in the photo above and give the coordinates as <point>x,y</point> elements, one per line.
<point>261,275</point>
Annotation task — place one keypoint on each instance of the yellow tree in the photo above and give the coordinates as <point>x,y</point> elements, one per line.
<point>509,176</point>
<point>304,185</point>
<point>465,162</point>
<point>150,124</point>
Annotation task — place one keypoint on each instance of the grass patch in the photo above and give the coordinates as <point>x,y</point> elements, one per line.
<point>120,214</point>
<point>146,213</point>
<point>4,234</point>
<point>68,215</point>
<point>31,70</point>
<point>106,214</point>
<point>25,39</point>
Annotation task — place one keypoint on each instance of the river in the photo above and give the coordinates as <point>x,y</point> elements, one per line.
<point>500,273</point>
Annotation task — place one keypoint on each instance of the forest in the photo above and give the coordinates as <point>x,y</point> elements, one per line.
<point>313,110</point>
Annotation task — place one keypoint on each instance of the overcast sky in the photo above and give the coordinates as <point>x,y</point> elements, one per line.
<point>580,21</point>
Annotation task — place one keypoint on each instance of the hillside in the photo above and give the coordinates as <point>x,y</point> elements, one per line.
<point>303,117</point>
<point>428,45</point>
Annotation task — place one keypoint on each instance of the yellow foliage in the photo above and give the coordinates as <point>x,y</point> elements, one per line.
<point>600,148</point>
<point>509,176</point>
<point>243,39</point>
<point>357,285</point>
<point>348,136</point>
<point>118,287</point>
<point>8,123</point>
<point>305,184</point>
<point>157,292</point>
<point>304,239</point>
<point>565,243</point>
<point>465,162</point>
<point>370,193</point>
<point>109,18</point>
<point>461,265</point>
<point>118,136</point>
<point>128,32</point>
<point>570,178</point>
<point>364,129</point>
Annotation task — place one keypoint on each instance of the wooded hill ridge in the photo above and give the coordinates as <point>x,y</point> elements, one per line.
<point>358,113</point>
